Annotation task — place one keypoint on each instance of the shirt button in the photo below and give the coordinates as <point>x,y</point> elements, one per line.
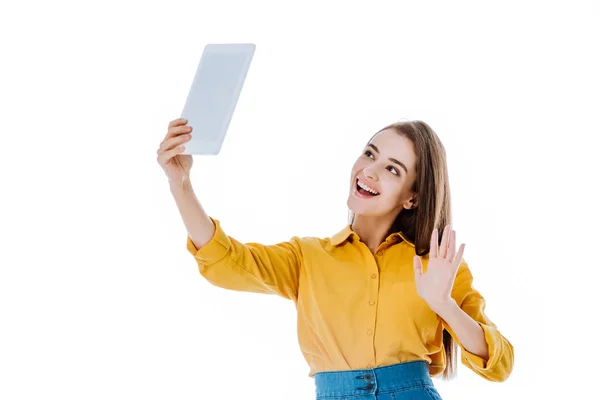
<point>380,253</point>
<point>373,276</point>
<point>372,302</point>
<point>369,332</point>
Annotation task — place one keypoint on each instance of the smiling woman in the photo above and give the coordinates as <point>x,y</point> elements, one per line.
<point>406,164</point>
<point>410,173</point>
<point>355,330</point>
<point>381,173</point>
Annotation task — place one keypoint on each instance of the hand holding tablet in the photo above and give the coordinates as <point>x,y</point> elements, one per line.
<point>214,94</point>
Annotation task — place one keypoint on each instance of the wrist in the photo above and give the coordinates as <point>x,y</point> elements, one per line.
<point>445,307</point>
<point>182,185</point>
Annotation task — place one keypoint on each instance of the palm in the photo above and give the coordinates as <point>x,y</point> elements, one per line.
<point>435,285</point>
<point>178,167</point>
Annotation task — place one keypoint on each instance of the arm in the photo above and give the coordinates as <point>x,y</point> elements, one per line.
<point>198,224</point>
<point>230,264</point>
<point>484,349</point>
<point>468,332</point>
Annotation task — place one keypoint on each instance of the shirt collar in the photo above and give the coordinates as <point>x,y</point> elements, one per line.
<point>347,233</point>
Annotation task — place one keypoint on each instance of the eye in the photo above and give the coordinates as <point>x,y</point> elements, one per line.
<point>393,169</point>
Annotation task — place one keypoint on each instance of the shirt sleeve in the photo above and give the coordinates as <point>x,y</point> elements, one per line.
<point>249,267</point>
<point>499,364</point>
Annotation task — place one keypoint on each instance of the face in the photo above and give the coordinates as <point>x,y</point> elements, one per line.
<point>381,169</point>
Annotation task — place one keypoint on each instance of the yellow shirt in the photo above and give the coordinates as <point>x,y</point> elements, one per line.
<point>356,309</point>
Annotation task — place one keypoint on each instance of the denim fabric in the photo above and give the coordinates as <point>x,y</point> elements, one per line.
<point>405,381</point>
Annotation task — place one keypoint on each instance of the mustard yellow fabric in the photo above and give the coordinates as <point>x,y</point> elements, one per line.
<point>355,309</point>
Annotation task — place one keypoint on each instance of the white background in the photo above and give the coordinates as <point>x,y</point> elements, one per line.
<point>98,296</point>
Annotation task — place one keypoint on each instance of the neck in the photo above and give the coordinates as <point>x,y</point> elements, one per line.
<point>372,231</point>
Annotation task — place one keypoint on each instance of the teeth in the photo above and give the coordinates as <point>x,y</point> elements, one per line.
<point>365,187</point>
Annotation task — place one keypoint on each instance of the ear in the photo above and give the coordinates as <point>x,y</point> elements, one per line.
<point>412,203</point>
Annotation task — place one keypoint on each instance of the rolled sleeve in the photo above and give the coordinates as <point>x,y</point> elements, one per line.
<point>213,251</point>
<point>249,267</point>
<point>498,366</point>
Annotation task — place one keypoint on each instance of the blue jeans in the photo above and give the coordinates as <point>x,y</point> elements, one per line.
<point>405,381</point>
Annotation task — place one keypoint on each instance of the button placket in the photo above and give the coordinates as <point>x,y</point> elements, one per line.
<point>373,311</point>
<point>373,294</point>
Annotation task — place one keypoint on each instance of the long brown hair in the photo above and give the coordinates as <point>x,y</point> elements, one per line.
<point>433,204</point>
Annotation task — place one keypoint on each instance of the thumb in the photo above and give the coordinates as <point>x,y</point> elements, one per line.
<point>418,267</point>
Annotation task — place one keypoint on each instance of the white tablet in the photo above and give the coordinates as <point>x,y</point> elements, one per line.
<point>214,94</point>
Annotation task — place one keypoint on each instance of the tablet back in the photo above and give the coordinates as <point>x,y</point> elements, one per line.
<point>214,94</point>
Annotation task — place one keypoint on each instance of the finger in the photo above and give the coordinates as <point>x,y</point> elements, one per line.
<point>459,255</point>
<point>173,142</point>
<point>451,246</point>
<point>167,142</point>
<point>444,244</point>
<point>433,246</point>
<point>166,156</point>
<point>418,267</point>
<point>178,130</point>
<point>177,122</point>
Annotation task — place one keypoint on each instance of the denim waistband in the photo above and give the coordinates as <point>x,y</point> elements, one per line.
<point>368,381</point>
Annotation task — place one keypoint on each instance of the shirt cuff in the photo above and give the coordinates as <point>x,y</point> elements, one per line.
<point>214,250</point>
<point>479,363</point>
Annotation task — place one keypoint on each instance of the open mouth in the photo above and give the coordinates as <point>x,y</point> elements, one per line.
<point>364,191</point>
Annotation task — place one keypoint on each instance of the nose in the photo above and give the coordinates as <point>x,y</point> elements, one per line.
<point>370,173</point>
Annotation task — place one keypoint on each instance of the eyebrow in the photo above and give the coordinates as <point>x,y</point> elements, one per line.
<point>391,159</point>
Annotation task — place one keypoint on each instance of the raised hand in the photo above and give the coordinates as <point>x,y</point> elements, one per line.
<point>435,285</point>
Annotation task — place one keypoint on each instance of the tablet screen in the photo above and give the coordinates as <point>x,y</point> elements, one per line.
<point>214,94</point>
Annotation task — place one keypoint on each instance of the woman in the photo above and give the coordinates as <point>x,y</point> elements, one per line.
<point>382,304</point>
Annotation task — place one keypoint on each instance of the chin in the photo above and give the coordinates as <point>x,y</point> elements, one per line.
<point>359,209</point>
<point>352,206</point>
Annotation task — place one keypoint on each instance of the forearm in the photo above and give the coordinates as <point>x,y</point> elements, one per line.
<point>199,226</point>
<point>467,330</point>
